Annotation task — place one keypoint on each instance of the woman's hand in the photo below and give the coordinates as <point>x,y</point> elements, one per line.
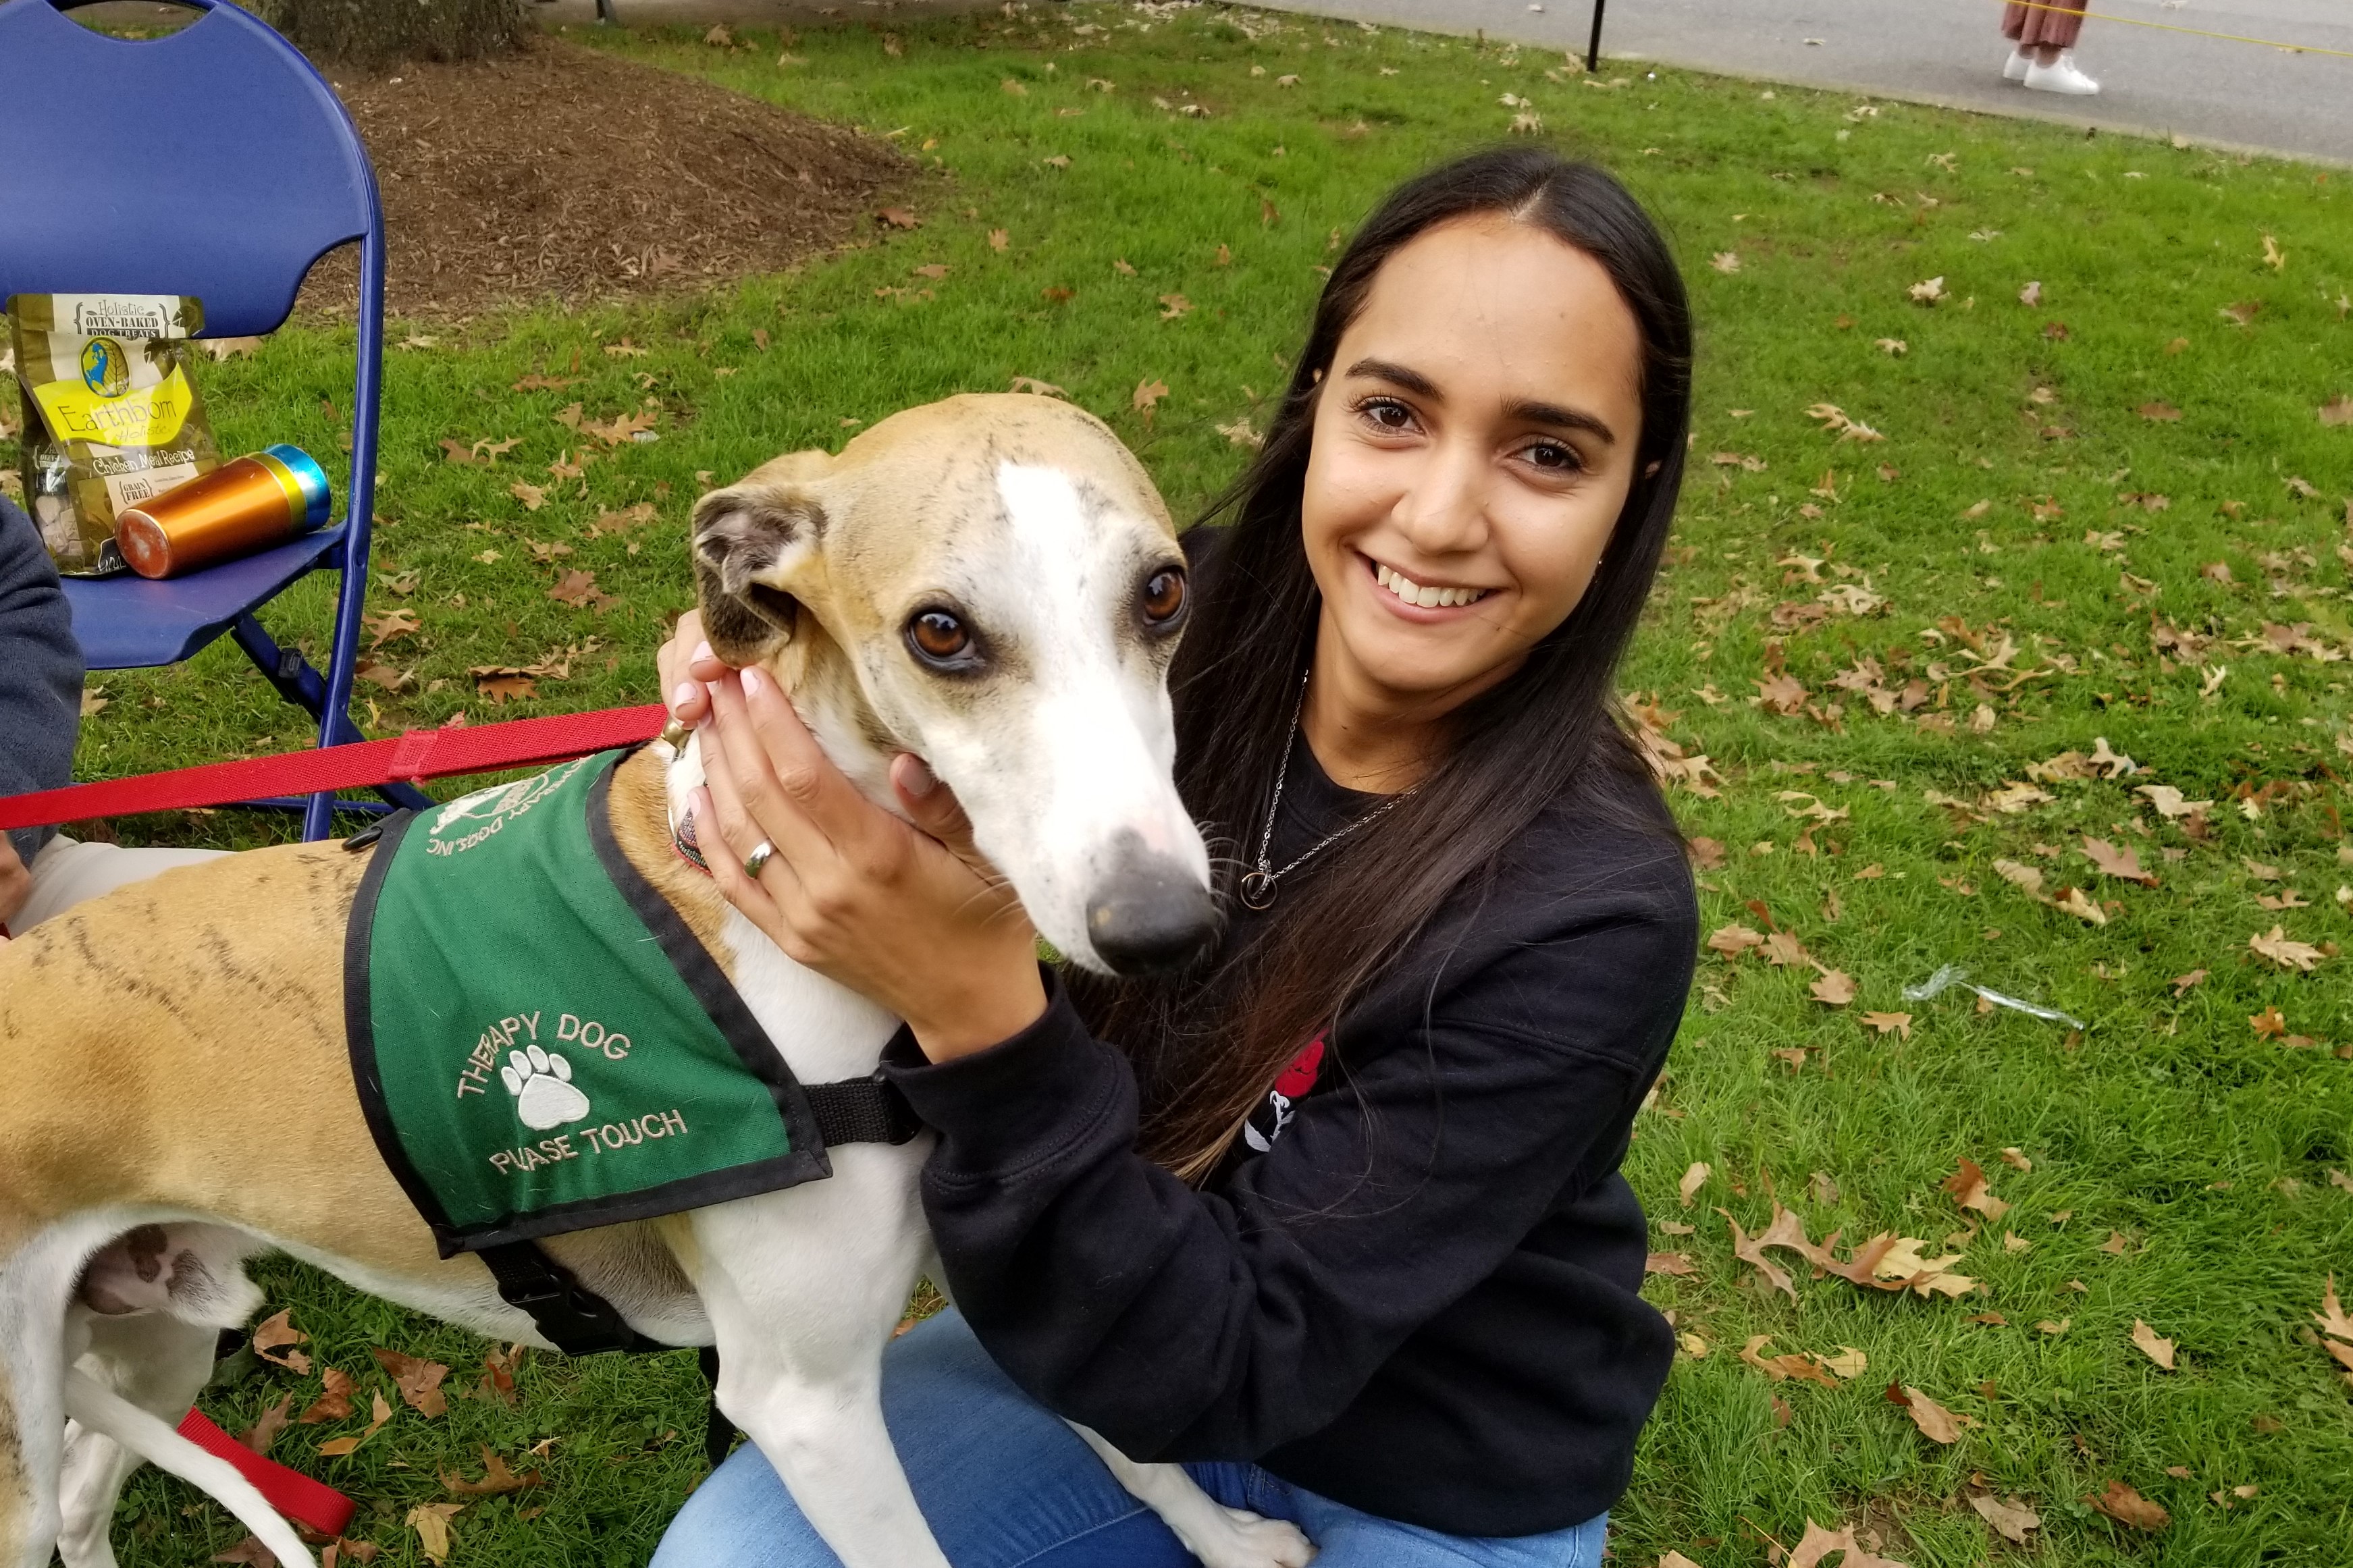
<point>685,662</point>
<point>910,917</point>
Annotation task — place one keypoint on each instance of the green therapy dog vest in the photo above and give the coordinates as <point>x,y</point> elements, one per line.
<point>540,1043</point>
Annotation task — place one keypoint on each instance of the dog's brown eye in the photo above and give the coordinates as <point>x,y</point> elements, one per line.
<point>1163,595</point>
<point>938,635</point>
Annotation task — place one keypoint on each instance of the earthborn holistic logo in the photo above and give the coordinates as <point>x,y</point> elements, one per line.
<point>105,367</point>
<point>488,811</point>
<point>539,1084</point>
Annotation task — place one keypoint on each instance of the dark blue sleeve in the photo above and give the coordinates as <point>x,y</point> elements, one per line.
<point>40,671</point>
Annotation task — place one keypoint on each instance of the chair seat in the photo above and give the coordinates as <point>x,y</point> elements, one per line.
<point>127,622</point>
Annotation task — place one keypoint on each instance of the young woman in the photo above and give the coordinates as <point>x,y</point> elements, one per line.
<point>1336,1218</point>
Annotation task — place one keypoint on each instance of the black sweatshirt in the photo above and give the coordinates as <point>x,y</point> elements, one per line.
<point>1422,1299</point>
<point>40,671</point>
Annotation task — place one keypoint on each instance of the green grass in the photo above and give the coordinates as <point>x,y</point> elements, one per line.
<point>2167,1119</point>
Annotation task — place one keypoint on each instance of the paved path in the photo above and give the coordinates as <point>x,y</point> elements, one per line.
<point>1950,52</point>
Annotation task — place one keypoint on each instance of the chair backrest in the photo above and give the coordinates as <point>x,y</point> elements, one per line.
<point>214,161</point>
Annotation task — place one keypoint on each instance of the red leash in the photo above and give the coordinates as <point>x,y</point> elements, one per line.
<point>290,1492</point>
<point>413,756</point>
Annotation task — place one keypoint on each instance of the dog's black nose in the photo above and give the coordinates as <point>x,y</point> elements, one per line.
<point>1149,915</point>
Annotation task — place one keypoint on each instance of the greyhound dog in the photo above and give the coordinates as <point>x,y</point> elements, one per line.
<point>140,1034</point>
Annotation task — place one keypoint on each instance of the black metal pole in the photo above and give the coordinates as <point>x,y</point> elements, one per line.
<point>1593,48</point>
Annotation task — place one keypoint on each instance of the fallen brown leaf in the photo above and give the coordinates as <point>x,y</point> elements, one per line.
<point>1174,306</point>
<point>1694,1179</point>
<point>1968,1189</point>
<point>1669,1263</point>
<point>2276,945</point>
<point>248,1550</point>
<point>2152,1345</point>
<point>2123,864</point>
<point>272,1340</point>
<point>335,1404</point>
<point>337,1448</point>
<point>2011,1521</point>
<point>1937,1424</point>
<point>392,623</point>
<point>533,497</point>
<point>431,1523</point>
<point>418,1380</point>
<point>2126,1506</point>
<point>2161,413</point>
<point>1834,989</point>
<point>496,1479</point>
<point>578,589</point>
<point>1148,392</point>
<point>1732,941</point>
<point>264,1430</point>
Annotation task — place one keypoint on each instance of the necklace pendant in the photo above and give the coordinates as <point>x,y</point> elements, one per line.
<point>1258,890</point>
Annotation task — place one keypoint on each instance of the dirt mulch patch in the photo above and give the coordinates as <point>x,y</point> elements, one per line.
<point>564,173</point>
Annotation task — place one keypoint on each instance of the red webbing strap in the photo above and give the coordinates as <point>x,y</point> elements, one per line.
<point>416,754</point>
<point>290,1492</point>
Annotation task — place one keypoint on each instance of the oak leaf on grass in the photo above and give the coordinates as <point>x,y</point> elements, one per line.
<point>2074,903</point>
<point>1834,989</point>
<point>418,1380</point>
<point>1937,1424</point>
<point>431,1523</point>
<point>249,1551</point>
<point>1734,940</point>
<point>1694,1179</point>
<point>338,1447</point>
<point>1818,1544</point>
<point>2011,1521</point>
<point>2123,864</point>
<point>274,1339</point>
<point>2126,1506</point>
<point>1968,1189</point>
<point>2152,1344</point>
<point>496,1478</point>
<point>2276,945</point>
<point>1148,392</point>
<point>335,1404</point>
<point>264,1431</point>
<point>1899,1023</point>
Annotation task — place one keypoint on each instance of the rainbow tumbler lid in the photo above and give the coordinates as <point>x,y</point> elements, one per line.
<point>309,478</point>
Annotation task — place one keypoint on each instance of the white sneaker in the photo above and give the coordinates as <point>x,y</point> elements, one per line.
<point>2021,62</point>
<point>2061,77</point>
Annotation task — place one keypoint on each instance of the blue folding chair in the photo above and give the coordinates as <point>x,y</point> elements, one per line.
<point>214,161</point>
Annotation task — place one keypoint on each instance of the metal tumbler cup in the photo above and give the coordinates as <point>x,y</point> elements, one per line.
<point>240,507</point>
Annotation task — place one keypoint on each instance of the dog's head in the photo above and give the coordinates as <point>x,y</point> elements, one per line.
<point>992,583</point>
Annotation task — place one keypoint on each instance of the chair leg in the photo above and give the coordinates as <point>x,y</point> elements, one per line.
<point>300,684</point>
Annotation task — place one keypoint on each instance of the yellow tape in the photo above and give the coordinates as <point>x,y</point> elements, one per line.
<point>2193,32</point>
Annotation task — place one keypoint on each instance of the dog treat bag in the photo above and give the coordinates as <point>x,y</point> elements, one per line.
<point>110,417</point>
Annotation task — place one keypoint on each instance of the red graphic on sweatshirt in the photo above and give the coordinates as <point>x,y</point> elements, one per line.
<point>1300,1076</point>
<point>1266,1125</point>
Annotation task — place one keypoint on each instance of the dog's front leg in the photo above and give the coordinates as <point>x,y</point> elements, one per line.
<point>803,1288</point>
<point>1220,1537</point>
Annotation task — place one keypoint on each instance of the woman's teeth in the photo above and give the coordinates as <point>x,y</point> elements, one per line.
<point>1421,594</point>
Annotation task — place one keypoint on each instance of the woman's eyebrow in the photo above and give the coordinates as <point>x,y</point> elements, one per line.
<point>1553,414</point>
<point>1396,375</point>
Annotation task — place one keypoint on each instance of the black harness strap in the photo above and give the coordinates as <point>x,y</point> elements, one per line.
<point>578,1321</point>
<point>867,1110</point>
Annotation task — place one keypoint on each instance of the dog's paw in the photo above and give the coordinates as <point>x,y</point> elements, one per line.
<point>1252,1542</point>
<point>541,1082</point>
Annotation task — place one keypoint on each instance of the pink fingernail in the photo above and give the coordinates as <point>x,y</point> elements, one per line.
<point>702,651</point>
<point>918,776</point>
<point>751,680</point>
<point>686,693</point>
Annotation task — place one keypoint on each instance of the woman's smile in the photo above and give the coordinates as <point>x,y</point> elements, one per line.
<point>1420,598</point>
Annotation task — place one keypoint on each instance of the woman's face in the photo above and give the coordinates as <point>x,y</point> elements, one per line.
<point>1474,441</point>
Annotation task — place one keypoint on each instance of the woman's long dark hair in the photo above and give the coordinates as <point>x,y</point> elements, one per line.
<point>1206,1048</point>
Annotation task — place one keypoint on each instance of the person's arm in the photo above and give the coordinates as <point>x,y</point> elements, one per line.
<point>40,672</point>
<point>1189,1325</point>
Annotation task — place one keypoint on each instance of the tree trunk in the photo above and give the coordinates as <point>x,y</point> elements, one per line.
<point>376,32</point>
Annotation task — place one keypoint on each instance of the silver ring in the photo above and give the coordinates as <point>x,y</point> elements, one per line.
<point>757,861</point>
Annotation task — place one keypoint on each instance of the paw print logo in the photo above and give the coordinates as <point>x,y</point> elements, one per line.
<point>541,1082</point>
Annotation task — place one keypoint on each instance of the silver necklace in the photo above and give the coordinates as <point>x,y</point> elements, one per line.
<point>1258,886</point>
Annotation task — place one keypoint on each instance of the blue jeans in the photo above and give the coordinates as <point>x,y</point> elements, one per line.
<point>1004,1484</point>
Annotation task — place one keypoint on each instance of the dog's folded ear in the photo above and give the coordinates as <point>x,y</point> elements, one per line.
<point>755,545</point>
